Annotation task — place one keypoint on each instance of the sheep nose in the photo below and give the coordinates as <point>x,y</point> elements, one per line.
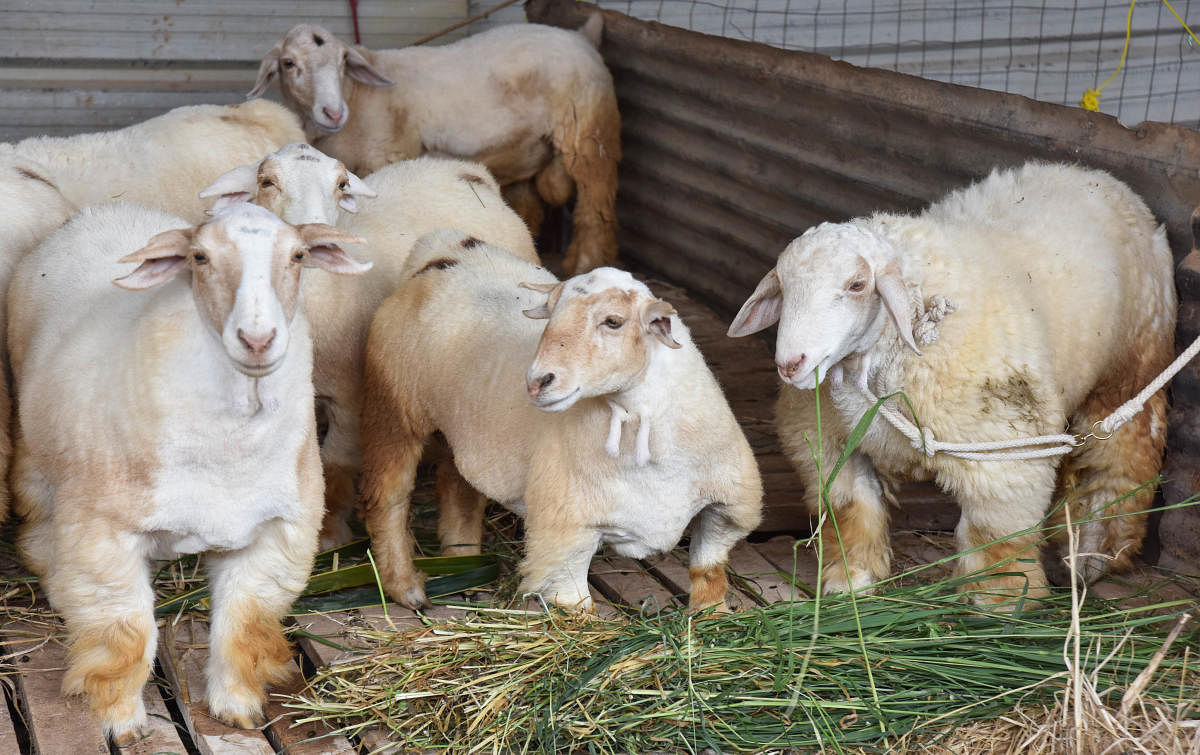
<point>257,345</point>
<point>790,368</point>
<point>334,114</point>
<point>536,385</point>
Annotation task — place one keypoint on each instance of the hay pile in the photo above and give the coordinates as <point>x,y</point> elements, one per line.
<point>913,669</point>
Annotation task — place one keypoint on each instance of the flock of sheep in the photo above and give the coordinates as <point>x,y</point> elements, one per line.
<point>177,411</point>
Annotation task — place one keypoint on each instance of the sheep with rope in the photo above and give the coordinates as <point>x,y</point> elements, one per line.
<point>1033,302</point>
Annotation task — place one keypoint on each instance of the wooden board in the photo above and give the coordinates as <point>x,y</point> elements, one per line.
<point>8,733</point>
<point>625,582</point>
<point>183,652</point>
<point>57,724</point>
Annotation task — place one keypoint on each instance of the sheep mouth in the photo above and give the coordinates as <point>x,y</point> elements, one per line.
<point>257,370</point>
<point>558,404</point>
<point>805,381</point>
<point>323,127</point>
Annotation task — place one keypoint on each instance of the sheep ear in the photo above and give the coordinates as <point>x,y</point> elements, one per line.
<point>357,188</point>
<point>164,256</point>
<point>325,250</point>
<point>360,70</point>
<point>892,289</point>
<point>553,291</point>
<point>656,319</point>
<point>761,310</point>
<point>238,185</point>
<point>266,71</point>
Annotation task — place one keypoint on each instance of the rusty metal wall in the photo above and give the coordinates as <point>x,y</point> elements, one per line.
<point>734,148</point>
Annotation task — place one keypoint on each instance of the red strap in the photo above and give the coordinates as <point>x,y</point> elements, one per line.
<point>354,17</point>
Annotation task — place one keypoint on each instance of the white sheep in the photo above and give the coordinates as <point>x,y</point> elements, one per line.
<point>302,185</point>
<point>31,207</point>
<point>164,161</point>
<point>531,102</point>
<point>1065,309</point>
<point>154,423</point>
<point>527,412</point>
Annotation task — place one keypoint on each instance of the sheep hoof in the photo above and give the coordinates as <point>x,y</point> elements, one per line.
<point>242,720</point>
<point>413,597</point>
<point>1091,568</point>
<point>835,581</point>
<point>129,737</point>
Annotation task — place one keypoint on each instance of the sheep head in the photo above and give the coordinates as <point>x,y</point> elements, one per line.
<point>245,276</point>
<point>603,328</point>
<point>832,292</point>
<point>310,63</point>
<point>299,183</point>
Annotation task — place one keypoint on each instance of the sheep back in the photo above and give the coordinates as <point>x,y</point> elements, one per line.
<point>163,162</point>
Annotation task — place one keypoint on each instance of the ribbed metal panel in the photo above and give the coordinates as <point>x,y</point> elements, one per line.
<point>68,66</point>
<point>733,148</point>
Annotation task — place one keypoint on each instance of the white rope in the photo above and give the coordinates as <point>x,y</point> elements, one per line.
<point>1036,447</point>
<point>994,450</point>
<point>1130,408</point>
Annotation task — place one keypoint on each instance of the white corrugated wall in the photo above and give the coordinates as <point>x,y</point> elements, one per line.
<point>81,65</point>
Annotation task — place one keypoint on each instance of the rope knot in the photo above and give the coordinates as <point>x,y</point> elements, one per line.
<point>926,444</point>
<point>1090,100</point>
<point>926,330</point>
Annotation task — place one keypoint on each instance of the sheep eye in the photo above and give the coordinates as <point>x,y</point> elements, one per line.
<point>344,185</point>
<point>857,287</point>
<point>298,257</point>
<point>613,322</point>
<point>289,64</point>
<point>266,183</point>
<point>200,258</point>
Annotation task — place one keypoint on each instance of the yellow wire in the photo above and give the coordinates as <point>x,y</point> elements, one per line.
<point>1091,97</point>
<point>1182,23</point>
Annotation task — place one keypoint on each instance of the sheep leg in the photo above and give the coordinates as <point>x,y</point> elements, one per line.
<point>339,503</point>
<point>854,528</point>
<point>460,513</point>
<point>340,459</point>
<point>252,590</point>
<point>708,553</point>
<point>1098,482</point>
<point>1010,498</point>
<point>393,440</point>
<point>523,198</point>
<point>101,586</point>
<point>590,156</point>
<point>557,558</point>
<point>33,501</point>
<point>855,548</point>
<point>719,527</point>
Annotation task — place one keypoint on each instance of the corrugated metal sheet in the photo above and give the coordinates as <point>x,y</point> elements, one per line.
<point>78,65</point>
<point>1052,51</point>
<point>733,148</point>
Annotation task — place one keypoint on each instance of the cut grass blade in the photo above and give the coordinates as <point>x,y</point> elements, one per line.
<point>452,574</point>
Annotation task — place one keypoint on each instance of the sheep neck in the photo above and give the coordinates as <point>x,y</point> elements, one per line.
<point>647,400</point>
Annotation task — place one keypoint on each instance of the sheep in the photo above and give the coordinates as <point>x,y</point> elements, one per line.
<point>527,412</point>
<point>302,185</point>
<point>154,423</point>
<point>1024,354</point>
<point>543,110</point>
<point>31,209</point>
<point>164,161</point>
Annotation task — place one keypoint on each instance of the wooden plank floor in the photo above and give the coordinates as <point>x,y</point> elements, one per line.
<point>40,720</point>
